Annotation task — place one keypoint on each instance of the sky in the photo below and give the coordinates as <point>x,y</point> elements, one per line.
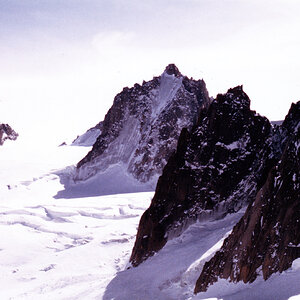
<point>63,61</point>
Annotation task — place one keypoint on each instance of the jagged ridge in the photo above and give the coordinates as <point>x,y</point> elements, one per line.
<point>267,238</point>
<point>217,169</point>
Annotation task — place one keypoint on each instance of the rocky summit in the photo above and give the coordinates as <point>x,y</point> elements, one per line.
<point>7,133</point>
<point>267,238</point>
<point>217,168</point>
<point>141,129</point>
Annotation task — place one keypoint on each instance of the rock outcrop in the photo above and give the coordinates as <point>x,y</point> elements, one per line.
<point>267,239</point>
<point>141,129</point>
<point>7,133</point>
<point>217,168</point>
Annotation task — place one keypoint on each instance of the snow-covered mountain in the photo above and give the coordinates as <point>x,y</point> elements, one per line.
<point>267,238</point>
<point>231,158</point>
<point>7,133</point>
<point>217,168</point>
<point>141,129</point>
<point>80,248</point>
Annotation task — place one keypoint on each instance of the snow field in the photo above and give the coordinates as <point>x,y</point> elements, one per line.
<point>79,248</point>
<point>172,272</point>
<point>59,248</point>
<point>65,249</point>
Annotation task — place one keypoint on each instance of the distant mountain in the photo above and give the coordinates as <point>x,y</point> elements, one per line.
<point>267,238</point>
<point>7,133</point>
<point>217,168</point>
<point>89,137</point>
<point>141,129</point>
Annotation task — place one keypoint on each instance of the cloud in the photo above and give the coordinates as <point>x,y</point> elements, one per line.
<point>108,40</point>
<point>73,51</point>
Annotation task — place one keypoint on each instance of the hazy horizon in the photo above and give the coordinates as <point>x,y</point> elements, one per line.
<point>62,62</point>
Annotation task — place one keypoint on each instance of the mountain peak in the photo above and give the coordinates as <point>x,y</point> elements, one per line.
<point>145,121</point>
<point>236,90</point>
<point>171,69</point>
<point>7,133</point>
<point>205,176</point>
<point>236,97</point>
<point>266,239</point>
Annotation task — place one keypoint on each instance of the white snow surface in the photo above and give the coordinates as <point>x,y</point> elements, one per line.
<point>168,88</point>
<point>119,150</point>
<point>87,139</point>
<point>79,248</point>
<point>113,180</point>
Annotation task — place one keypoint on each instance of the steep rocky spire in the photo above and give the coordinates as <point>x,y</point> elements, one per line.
<point>141,129</point>
<point>267,239</point>
<point>171,69</point>
<point>217,168</point>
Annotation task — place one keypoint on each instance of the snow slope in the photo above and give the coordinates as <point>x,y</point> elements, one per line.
<point>59,249</point>
<point>88,138</point>
<point>66,249</point>
<point>79,248</point>
<point>172,273</point>
<point>114,180</point>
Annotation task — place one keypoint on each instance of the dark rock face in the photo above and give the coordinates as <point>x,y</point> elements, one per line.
<point>267,239</point>
<point>217,168</point>
<point>171,69</point>
<point>7,133</point>
<point>142,127</point>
